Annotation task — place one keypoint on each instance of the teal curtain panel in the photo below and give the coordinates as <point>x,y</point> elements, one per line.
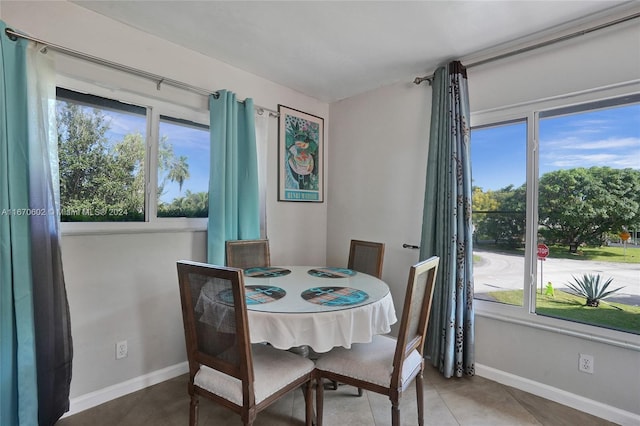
<point>234,200</point>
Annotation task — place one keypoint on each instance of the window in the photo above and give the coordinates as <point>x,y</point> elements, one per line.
<point>577,192</point>
<point>103,155</point>
<point>132,161</point>
<point>499,210</point>
<point>101,150</point>
<point>183,169</point>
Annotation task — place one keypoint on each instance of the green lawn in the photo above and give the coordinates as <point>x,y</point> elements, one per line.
<point>604,254</point>
<point>569,307</point>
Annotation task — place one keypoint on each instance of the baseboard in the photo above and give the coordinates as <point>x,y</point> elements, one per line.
<point>101,396</point>
<point>560,396</point>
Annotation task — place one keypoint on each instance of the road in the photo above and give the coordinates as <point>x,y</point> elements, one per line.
<point>498,271</point>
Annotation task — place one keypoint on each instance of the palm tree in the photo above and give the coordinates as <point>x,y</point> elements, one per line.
<point>179,171</point>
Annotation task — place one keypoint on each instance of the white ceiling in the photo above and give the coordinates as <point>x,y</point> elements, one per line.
<point>332,50</point>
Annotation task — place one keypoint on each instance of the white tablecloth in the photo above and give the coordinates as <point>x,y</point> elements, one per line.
<point>293,321</point>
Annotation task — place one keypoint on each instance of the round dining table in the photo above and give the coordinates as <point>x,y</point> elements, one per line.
<point>316,307</point>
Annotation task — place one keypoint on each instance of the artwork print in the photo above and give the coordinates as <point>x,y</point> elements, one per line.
<point>300,138</point>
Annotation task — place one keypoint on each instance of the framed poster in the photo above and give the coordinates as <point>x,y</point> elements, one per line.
<point>300,156</point>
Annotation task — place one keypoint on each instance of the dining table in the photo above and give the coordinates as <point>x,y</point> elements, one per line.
<point>316,307</point>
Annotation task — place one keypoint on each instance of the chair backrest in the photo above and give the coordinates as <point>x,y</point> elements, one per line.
<point>415,313</point>
<point>248,253</point>
<point>214,314</point>
<point>366,256</point>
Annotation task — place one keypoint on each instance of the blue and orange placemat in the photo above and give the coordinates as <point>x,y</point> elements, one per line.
<point>266,272</point>
<point>253,294</point>
<point>330,272</point>
<point>334,296</point>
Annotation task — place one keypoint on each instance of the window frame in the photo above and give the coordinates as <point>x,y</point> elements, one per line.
<point>525,315</point>
<point>196,112</point>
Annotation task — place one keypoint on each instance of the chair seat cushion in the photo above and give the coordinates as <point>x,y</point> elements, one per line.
<point>370,362</point>
<point>273,369</point>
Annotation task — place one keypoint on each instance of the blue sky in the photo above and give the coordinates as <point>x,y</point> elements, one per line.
<point>608,137</point>
<point>188,141</point>
<point>194,144</point>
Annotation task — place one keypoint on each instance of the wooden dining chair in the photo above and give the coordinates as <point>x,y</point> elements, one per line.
<point>223,366</point>
<point>248,253</point>
<point>366,257</point>
<point>387,365</point>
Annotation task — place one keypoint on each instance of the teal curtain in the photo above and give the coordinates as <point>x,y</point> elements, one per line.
<point>234,200</point>
<point>19,391</point>
<point>35,332</point>
<point>446,224</point>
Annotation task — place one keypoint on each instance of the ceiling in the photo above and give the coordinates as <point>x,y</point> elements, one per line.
<point>332,50</point>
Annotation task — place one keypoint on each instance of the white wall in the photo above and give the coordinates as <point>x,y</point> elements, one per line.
<point>376,184</point>
<point>377,176</point>
<point>124,286</point>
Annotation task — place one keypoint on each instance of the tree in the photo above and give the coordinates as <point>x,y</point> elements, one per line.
<point>501,214</point>
<point>179,171</point>
<point>170,168</point>
<point>193,204</point>
<point>99,179</point>
<point>582,205</point>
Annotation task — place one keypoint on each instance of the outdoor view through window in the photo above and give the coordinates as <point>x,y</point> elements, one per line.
<point>183,169</point>
<point>102,151</point>
<point>587,250</point>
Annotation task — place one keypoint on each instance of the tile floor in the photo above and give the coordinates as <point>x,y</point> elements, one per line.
<point>465,401</point>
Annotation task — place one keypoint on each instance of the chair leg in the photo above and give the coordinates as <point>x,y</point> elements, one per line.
<point>319,400</point>
<point>193,411</point>
<point>360,392</point>
<point>395,413</point>
<point>420,396</point>
<point>308,403</point>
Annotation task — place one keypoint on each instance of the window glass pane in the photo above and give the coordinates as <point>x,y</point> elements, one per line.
<point>101,149</point>
<point>589,214</point>
<point>498,155</point>
<point>183,169</point>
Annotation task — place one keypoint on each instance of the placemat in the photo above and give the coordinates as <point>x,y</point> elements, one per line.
<point>266,272</point>
<point>330,272</point>
<point>254,294</point>
<point>334,296</point>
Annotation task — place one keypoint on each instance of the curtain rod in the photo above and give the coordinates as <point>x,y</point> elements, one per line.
<point>429,78</point>
<point>13,35</point>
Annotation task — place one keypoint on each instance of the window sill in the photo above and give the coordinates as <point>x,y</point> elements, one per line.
<point>156,226</point>
<point>516,315</point>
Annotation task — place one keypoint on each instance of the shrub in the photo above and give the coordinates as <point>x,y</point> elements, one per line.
<point>590,287</point>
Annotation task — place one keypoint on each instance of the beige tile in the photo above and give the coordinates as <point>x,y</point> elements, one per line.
<point>551,413</point>
<point>486,404</point>
<point>448,402</point>
<point>344,407</point>
<point>435,410</point>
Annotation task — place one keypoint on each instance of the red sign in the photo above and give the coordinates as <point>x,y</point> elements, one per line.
<point>543,251</point>
<point>624,235</point>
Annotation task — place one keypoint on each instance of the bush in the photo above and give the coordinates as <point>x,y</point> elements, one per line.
<point>590,287</point>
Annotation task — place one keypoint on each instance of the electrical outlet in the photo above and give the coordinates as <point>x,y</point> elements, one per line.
<point>121,349</point>
<point>585,363</point>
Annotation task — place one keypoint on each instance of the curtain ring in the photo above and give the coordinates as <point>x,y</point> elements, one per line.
<point>9,32</point>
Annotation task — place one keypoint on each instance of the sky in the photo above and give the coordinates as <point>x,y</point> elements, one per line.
<point>194,144</point>
<point>607,137</point>
<point>186,141</point>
